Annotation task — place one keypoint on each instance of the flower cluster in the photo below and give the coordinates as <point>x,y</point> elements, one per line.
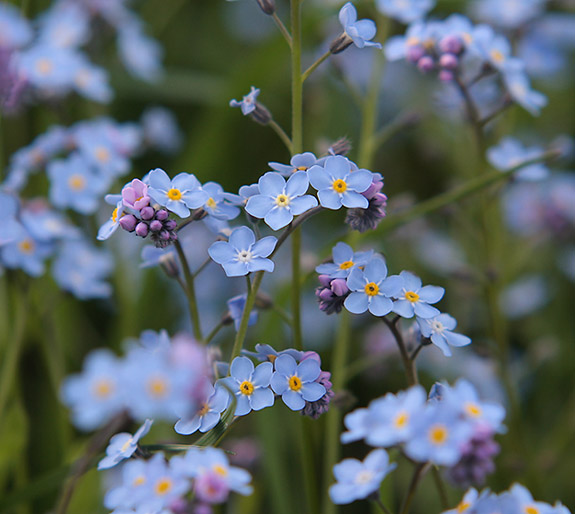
<point>295,376</point>
<point>157,378</point>
<point>443,430</point>
<point>159,485</point>
<point>517,499</point>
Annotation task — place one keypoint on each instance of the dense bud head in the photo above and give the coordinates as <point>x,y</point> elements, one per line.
<point>451,44</point>
<point>156,226</point>
<point>128,222</point>
<point>267,6</point>
<point>170,224</point>
<point>414,53</point>
<point>426,64</point>
<point>448,61</point>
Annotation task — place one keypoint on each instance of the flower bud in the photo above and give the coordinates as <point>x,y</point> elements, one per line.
<point>261,115</point>
<point>451,44</point>
<point>425,64</point>
<point>147,213</point>
<point>156,226</point>
<point>162,214</point>
<point>414,53</point>
<point>448,61</point>
<point>267,6</point>
<point>340,43</point>
<point>128,222</point>
<point>445,76</point>
<point>142,229</point>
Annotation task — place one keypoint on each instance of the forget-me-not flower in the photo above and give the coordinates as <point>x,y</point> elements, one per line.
<point>279,201</point>
<point>122,446</point>
<point>439,330</point>
<point>242,254</point>
<point>357,480</point>
<point>299,162</point>
<point>405,11</point>
<point>344,261</point>
<point>296,382</point>
<point>415,300</point>
<point>359,31</point>
<point>250,385</point>
<point>338,183</point>
<point>178,195</point>
<point>371,290</point>
<point>215,205</point>
<point>519,88</point>
<point>208,415</point>
<point>248,104</point>
<point>510,153</point>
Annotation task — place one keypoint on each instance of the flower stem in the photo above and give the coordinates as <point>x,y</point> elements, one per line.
<point>381,506</point>
<point>283,29</point>
<point>214,332</point>
<point>312,68</point>
<point>408,363</point>
<point>282,135</point>
<point>296,290</point>
<point>297,83</point>
<point>440,485</point>
<point>190,291</point>
<point>418,472</point>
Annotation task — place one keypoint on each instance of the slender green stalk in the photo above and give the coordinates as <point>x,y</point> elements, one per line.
<point>202,267</point>
<point>381,506</point>
<point>296,290</point>
<point>408,363</point>
<point>333,416</point>
<point>440,485</point>
<point>312,68</point>
<point>283,315</point>
<point>396,125</point>
<point>283,29</point>
<point>282,135</point>
<point>307,462</point>
<point>190,292</point>
<point>296,80</point>
<point>418,473</point>
<point>214,332</point>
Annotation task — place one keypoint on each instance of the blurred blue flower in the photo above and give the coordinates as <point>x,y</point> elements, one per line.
<point>344,261</point>
<point>360,31</point>
<point>236,307</point>
<point>242,254</point>
<point>405,11</point>
<point>510,153</point>
<point>279,201</point>
<point>64,26</point>
<point>251,386</point>
<point>75,185</point>
<point>15,30</point>
<point>439,330</point>
<point>122,446</point>
<point>10,227</point>
<point>299,162</point>
<point>356,480</point>
<point>264,352</point>
<point>161,130</point>
<point>26,253</point>
<point>248,104</point>
<point>178,195</point>
<point>415,299</point>
<point>338,183</point>
<point>48,68</point>
<point>208,415</point>
<point>371,290</point>
<point>519,88</point>
<point>508,14</point>
<point>140,54</point>
<point>296,382</point>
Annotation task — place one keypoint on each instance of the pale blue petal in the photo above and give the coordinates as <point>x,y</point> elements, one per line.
<point>431,294</point>
<point>195,199</point>
<point>259,205</point>
<point>242,238</point>
<point>329,199</point>
<point>353,200</point>
<point>260,264</point>
<point>297,184</point>
<point>221,252</point>
<point>359,180</point>
<point>356,280</point>
<point>375,270</point>
<point>271,184</point>
<point>187,427</point>
<point>158,179</point>
<point>312,391</point>
<point>308,370</point>
<point>411,281</point>
<point>404,308</point>
<point>391,286</point>
<point>278,218</point>
<point>440,342</point>
<point>319,178</point>
<point>347,14</point>
<point>178,207</point>
<point>447,321</point>
<point>236,269</point>
<point>209,421</point>
<point>456,339</point>
<point>279,383</point>
<point>337,166</point>
<point>243,406</point>
<point>380,306</point>
<point>261,398</point>
<point>302,203</point>
<point>425,311</point>
<point>242,369</point>
<point>286,365</point>
<point>264,246</point>
<point>342,253</point>
<point>293,400</point>
<point>185,182</point>
<point>262,375</point>
<point>356,303</point>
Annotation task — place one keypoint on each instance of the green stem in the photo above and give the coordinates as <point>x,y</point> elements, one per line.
<point>408,363</point>
<point>214,332</point>
<point>190,291</point>
<point>333,416</point>
<point>283,315</point>
<point>296,290</point>
<point>381,506</point>
<point>440,485</point>
<point>307,462</point>
<point>418,472</point>
<point>396,125</point>
<point>296,78</point>
<point>282,135</point>
<point>283,29</point>
<point>312,68</point>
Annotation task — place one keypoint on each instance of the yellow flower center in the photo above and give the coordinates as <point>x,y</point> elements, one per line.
<point>163,486</point>
<point>44,66</point>
<point>157,387</point>
<point>411,296</point>
<point>346,265</point>
<point>127,444</point>
<point>412,41</point>
<point>363,477</point>
<point>103,388</point>
<point>301,168</point>
<point>115,215</point>
<point>282,200</point>
<point>497,56</point>
<point>204,410</point>
<point>271,357</point>
<point>139,480</point>
<point>438,434</point>
<point>467,37</point>
<point>77,182</point>
<point>473,410</point>
<point>531,509</point>
<point>26,246</point>
<point>339,186</point>
<point>175,194</point>
<point>211,203</point>
<point>246,387</point>
<point>401,419</point>
<point>371,289</point>
<point>463,506</point>
<point>102,154</point>
<point>295,383</point>
<point>220,470</point>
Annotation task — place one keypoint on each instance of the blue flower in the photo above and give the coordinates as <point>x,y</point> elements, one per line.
<point>360,31</point>
<point>208,415</point>
<point>439,330</point>
<point>161,129</point>
<point>508,14</point>
<point>299,162</point>
<point>525,501</point>
<point>344,261</point>
<point>438,436</point>
<point>264,352</point>
<point>100,149</point>
<point>356,480</point>
<point>15,29</point>
<point>244,194</point>
<point>140,54</point>
<point>10,227</point>
<point>415,299</point>
<point>92,81</point>
<point>122,446</point>
<point>371,290</point>
<point>248,104</point>
<point>467,502</point>
<point>405,11</point>
<point>25,252</point>
<point>296,382</point>
<point>236,307</point>
<point>215,205</point>
<point>48,68</point>
<point>519,88</point>
<point>110,226</point>
<point>242,254</point>
<point>178,195</point>
<point>74,184</point>
<point>510,153</point>
<point>338,183</point>
<point>278,201</point>
<point>251,386</point>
